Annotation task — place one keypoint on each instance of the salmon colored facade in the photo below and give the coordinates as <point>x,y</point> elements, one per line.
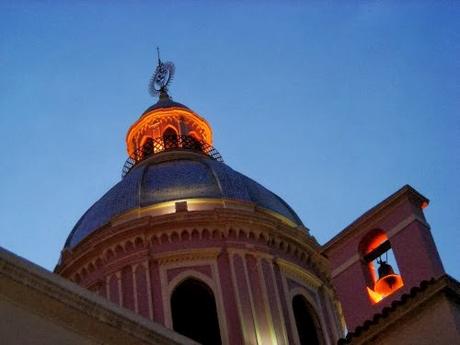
<point>401,220</point>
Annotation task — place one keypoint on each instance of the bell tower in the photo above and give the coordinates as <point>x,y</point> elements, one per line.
<point>382,255</point>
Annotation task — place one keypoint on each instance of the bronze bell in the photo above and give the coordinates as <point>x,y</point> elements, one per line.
<point>386,274</point>
<point>388,281</point>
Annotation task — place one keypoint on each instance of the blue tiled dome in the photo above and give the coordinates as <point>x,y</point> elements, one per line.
<point>192,176</point>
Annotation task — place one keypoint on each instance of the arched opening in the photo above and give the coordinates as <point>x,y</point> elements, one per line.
<point>306,326</point>
<point>170,138</point>
<point>380,266</point>
<point>193,142</point>
<point>194,312</point>
<point>147,148</point>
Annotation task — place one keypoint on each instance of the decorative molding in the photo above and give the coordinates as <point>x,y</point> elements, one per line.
<point>335,311</point>
<point>266,229</point>
<point>295,271</point>
<point>180,256</point>
<point>405,223</point>
<point>350,261</point>
<point>256,253</point>
<point>149,288</point>
<point>279,305</point>
<point>238,297</point>
<point>288,301</point>
<point>323,335</point>
<point>265,298</point>
<point>135,290</point>
<point>251,300</point>
<point>321,313</point>
<point>378,212</point>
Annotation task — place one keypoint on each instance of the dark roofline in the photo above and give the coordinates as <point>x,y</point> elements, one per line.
<point>444,283</point>
<point>165,103</point>
<point>393,198</point>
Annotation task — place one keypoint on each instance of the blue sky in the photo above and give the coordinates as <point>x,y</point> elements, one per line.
<point>332,106</point>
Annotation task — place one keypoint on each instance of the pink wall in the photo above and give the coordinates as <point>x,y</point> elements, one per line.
<point>404,223</point>
<point>253,295</point>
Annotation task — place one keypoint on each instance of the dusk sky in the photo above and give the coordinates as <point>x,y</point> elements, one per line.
<point>332,106</point>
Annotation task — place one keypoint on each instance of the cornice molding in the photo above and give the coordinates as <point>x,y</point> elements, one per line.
<point>293,270</point>
<point>378,212</point>
<point>267,229</point>
<point>197,254</point>
<point>390,233</point>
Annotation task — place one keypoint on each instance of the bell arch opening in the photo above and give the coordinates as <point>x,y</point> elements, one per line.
<point>306,322</point>
<point>147,148</point>
<point>170,138</point>
<point>381,271</point>
<point>194,312</point>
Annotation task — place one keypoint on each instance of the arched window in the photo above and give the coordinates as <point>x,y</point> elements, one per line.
<point>305,322</point>
<point>170,138</point>
<point>194,312</point>
<point>194,143</point>
<point>147,148</point>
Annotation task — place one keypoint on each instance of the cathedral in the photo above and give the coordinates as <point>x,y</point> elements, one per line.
<point>186,250</point>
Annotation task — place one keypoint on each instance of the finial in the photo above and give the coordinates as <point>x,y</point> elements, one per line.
<point>161,78</point>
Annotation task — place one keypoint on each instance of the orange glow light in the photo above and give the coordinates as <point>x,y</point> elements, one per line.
<point>382,289</point>
<point>376,241</point>
<point>374,296</point>
<point>179,115</point>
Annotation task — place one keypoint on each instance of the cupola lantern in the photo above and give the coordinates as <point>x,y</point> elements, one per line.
<point>167,125</point>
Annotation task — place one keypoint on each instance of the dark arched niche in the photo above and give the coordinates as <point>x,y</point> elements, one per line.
<point>194,143</point>
<point>170,138</point>
<point>147,148</point>
<point>194,312</point>
<point>305,321</point>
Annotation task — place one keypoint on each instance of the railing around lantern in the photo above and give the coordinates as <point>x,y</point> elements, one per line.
<point>167,143</point>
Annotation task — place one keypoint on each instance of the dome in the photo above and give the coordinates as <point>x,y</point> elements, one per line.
<point>174,177</point>
<point>165,102</point>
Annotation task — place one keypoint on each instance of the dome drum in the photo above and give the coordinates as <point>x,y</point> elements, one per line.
<point>244,257</point>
